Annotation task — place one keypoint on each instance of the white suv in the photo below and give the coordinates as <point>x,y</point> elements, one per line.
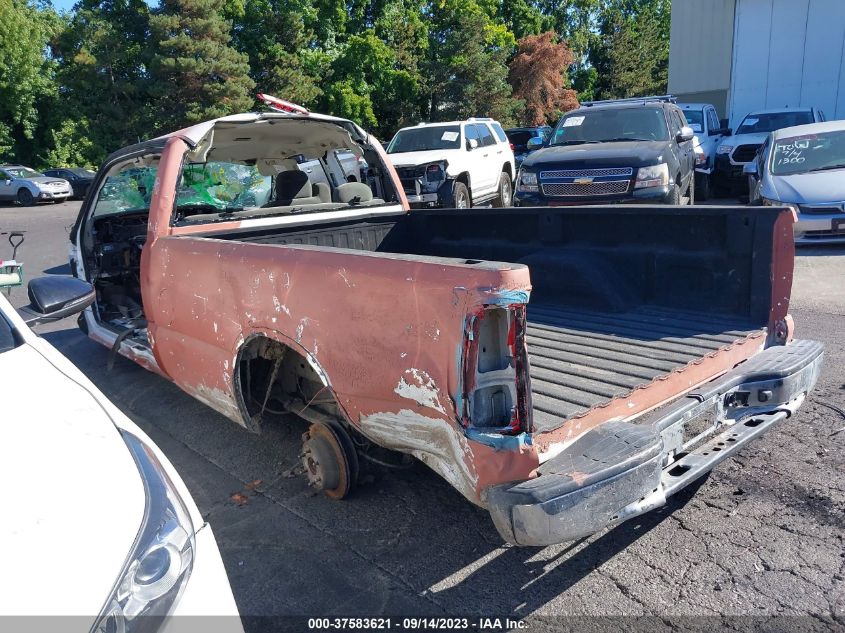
<point>454,165</point>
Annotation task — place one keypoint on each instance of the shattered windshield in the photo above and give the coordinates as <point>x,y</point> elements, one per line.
<point>222,186</point>
<point>213,186</point>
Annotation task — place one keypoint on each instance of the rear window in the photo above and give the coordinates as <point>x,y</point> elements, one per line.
<point>695,119</point>
<point>500,133</point>
<point>769,122</point>
<point>520,138</point>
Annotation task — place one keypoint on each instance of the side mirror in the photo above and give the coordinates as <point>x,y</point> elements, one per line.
<point>471,144</point>
<point>686,134</point>
<point>750,169</point>
<point>534,143</point>
<point>55,297</point>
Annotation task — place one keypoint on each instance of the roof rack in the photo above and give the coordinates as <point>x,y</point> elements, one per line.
<point>643,100</point>
<point>480,118</point>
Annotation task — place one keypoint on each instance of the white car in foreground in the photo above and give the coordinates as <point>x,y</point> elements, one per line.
<point>97,522</point>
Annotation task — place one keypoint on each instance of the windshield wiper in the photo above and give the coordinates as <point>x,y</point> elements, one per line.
<point>827,167</point>
<point>624,139</point>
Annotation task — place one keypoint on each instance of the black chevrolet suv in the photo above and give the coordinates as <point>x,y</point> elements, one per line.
<point>626,150</point>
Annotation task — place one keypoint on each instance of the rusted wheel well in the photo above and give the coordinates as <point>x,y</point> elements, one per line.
<point>272,379</point>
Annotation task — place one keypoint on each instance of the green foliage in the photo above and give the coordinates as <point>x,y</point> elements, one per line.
<point>633,57</point>
<point>195,74</point>
<point>75,87</point>
<point>26,76</point>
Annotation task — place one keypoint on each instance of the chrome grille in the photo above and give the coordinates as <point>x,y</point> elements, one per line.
<point>569,189</point>
<point>745,153</point>
<point>587,173</point>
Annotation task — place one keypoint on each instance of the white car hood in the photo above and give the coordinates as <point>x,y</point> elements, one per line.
<point>73,497</point>
<point>412,159</point>
<point>745,139</point>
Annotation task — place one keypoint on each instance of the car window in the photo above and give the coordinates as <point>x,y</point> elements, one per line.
<point>500,133</point>
<point>821,151</point>
<point>485,137</point>
<point>771,121</point>
<point>611,124</point>
<point>520,138</point>
<point>23,172</point>
<point>471,133</point>
<point>712,119</point>
<point>4,176</point>
<point>695,119</point>
<point>419,139</point>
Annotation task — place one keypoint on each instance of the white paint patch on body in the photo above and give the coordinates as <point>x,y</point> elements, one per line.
<point>420,388</point>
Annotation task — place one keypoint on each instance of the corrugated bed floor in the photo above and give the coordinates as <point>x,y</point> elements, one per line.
<point>580,358</point>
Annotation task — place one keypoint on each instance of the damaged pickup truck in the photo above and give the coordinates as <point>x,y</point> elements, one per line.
<point>656,342</point>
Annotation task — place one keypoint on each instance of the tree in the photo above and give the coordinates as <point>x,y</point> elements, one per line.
<point>102,104</point>
<point>466,65</point>
<point>26,76</point>
<point>368,68</point>
<point>633,57</point>
<point>195,74</point>
<point>273,35</point>
<point>538,77</point>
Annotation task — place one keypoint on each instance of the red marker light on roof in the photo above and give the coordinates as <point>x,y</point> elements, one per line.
<point>280,105</point>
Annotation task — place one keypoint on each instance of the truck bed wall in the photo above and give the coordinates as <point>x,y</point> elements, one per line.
<point>711,259</point>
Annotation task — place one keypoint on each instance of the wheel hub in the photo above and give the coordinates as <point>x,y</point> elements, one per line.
<point>325,461</point>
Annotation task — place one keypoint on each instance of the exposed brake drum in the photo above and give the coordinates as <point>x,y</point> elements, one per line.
<point>329,459</point>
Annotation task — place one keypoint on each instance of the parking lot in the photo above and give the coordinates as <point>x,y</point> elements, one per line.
<point>763,535</point>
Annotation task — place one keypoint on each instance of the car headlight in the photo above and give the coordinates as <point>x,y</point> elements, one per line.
<point>161,558</point>
<point>725,149</point>
<point>526,181</point>
<point>652,176</point>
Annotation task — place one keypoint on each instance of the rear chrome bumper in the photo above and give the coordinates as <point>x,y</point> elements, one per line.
<point>621,469</point>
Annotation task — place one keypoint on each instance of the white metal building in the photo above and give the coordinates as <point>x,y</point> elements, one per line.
<point>744,55</point>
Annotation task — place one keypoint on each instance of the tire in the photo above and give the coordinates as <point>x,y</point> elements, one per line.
<point>460,196</point>
<point>505,197</point>
<point>691,189</point>
<point>674,195</point>
<point>25,198</point>
<point>703,186</point>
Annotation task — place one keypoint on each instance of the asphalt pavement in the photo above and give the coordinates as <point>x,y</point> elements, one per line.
<point>763,535</point>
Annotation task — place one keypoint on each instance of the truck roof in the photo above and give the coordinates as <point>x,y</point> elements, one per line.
<point>778,111</point>
<point>196,133</point>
